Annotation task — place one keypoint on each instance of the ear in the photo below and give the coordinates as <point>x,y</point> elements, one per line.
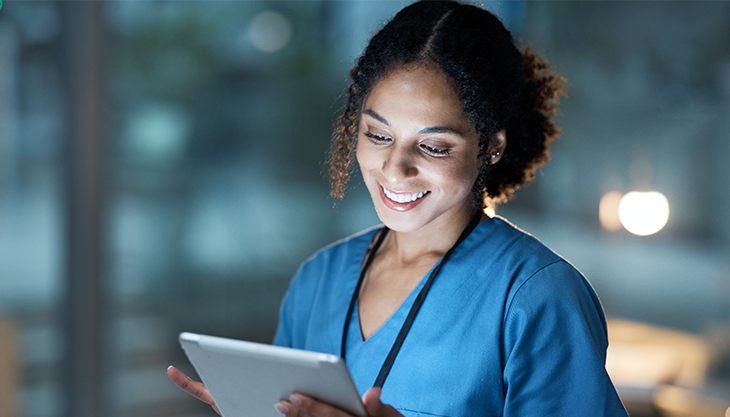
<point>497,146</point>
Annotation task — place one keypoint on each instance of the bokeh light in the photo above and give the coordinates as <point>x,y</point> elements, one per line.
<point>643,213</point>
<point>270,31</point>
<point>608,211</point>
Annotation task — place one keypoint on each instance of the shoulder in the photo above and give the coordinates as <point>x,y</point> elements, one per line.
<point>502,247</point>
<point>333,262</point>
<point>535,278</point>
<point>544,273</point>
<point>322,284</point>
<point>518,245</point>
<point>553,338</point>
<point>340,252</point>
<point>545,291</point>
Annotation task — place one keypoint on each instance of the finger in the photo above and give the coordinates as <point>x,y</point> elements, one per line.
<point>288,409</point>
<point>194,388</point>
<point>373,405</point>
<point>300,405</point>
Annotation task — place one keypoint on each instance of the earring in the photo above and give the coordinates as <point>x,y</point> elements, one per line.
<point>495,155</point>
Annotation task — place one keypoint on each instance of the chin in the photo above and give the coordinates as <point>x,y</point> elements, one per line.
<point>401,222</point>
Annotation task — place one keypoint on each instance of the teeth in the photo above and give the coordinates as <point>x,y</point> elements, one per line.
<point>403,198</point>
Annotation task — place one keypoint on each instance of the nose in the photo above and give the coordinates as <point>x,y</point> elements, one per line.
<point>399,164</point>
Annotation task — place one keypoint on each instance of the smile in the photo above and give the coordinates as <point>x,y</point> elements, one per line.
<point>403,198</point>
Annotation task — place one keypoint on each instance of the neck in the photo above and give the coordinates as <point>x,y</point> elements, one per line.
<point>432,240</point>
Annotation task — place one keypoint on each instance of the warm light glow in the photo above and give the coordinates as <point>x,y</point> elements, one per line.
<point>608,211</point>
<point>643,213</point>
<point>489,211</point>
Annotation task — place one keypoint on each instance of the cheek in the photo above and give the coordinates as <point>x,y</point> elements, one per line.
<point>469,177</point>
<point>474,171</point>
<point>465,175</point>
<point>456,179</point>
<point>472,167</point>
<point>362,156</point>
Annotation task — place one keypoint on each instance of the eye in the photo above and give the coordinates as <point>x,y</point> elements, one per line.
<point>434,151</point>
<point>377,138</point>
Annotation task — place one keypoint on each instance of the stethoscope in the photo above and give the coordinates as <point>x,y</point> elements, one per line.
<point>388,364</point>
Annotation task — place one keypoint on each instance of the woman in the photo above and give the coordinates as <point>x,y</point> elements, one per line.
<point>446,311</point>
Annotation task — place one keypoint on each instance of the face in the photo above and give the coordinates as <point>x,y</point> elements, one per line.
<point>416,150</point>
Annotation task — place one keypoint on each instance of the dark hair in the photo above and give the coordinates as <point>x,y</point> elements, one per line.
<point>499,86</point>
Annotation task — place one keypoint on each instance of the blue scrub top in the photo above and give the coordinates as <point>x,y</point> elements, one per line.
<point>509,328</point>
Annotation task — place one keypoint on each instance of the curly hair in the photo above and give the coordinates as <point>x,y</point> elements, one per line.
<point>500,88</point>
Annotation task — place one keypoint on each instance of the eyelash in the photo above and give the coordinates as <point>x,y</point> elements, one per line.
<point>377,138</point>
<point>428,149</point>
<point>435,151</point>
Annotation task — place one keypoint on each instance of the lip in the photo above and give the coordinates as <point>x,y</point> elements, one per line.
<point>401,207</point>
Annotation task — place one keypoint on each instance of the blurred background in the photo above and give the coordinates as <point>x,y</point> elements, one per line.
<point>161,171</point>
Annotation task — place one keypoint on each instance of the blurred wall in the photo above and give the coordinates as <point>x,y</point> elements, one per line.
<point>647,111</point>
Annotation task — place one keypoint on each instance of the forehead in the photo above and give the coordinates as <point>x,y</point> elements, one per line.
<point>422,92</point>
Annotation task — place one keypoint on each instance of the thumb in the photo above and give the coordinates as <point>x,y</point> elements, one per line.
<point>373,405</point>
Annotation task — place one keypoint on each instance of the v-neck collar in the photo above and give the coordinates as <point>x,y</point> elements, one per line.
<point>395,321</point>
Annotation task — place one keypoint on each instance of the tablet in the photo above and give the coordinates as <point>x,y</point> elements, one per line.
<point>248,379</point>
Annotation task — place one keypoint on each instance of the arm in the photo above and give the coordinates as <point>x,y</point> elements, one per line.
<point>554,348</point>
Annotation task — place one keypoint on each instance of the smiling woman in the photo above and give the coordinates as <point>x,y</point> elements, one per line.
<point>445,311</point>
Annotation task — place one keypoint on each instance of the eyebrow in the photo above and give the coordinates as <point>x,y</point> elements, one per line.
<point>424,131</point>
<point>376,116</point>
<point>439,129</point>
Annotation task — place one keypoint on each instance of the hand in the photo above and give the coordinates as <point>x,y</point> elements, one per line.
<point>194,388</point>
<point>300,405</point>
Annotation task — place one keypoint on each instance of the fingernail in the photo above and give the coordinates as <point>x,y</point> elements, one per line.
<point>281,407</point>
<point>296,399</point>
<point>168,368</point>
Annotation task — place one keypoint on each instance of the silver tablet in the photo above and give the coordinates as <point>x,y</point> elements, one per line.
<point>247,379</point>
